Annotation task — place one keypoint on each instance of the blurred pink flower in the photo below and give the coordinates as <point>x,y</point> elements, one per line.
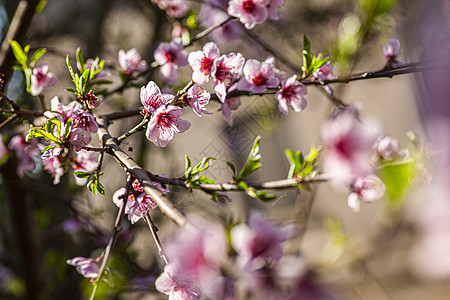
<point>53,166</point>
<point>249,12</point>
<point>174,8</point>
<point>89,63</point>
<point>258,76</point>
<point>152,98</point>
<point>132,62</point>
<point>347,147</point>
<point>229,105</point>
<point>86,161</point>
<point>87,267</point>
<point>198,98</point>
<point>226,70</point>
<point>391,51</point>
<point>387,147</point>
<point>258,242</point>
<point>177,285</point>
<point>164,123</point>
<point>366,189</point>
<point>202,62</point>
<point>170,56</point>
<point>292,94</point>
<point>273,9</point>
<point>325,72</point>
<point>26,153</point>
<point>40,79</point>
<point>211,15</point>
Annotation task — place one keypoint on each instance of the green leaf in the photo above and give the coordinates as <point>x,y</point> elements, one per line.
<point>18,52</point>
<point>252,162</point>
<point>26,49</point>
<point>296,161</point>
<point>204,179</point>
<point>67,129</point>
<point>80,59</point>
<point>187,169</point>
<point>41,6</point>
<point>71,90</point>
<point>28,73</point>
<point>81,174</point>
<point>264,196</point>
<point>50,127</point>
<point>242,185</point>
<point>72,73</point>
<point>398,179</point>
<point>36,55</point>
<point>202,165</point>
<point>233,168</point>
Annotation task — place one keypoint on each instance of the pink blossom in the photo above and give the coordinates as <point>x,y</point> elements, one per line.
<point>391,51</point>
<point>177,285</point>
<point>258,242</point>
<point>258,76</point>
<point>229,105</point>
<point>66,111</point>
<point>174,8</point>
<point>84,120</point>
<point>273,9</point>
<point>79,138</point>
<point>292,94</point>
<point>170,56</point>
<point>26,153</point>
<point>86,161</point>
<point>249,12</point>
<point>91,100</point>
<point>347,144</point>
<point>163,123</point>
<point>202,62</point>
<point>53,166</point>
<point>325,72</point>
<point>387,147</point>
<point>210,15</point>
<point>198,98</point>
<point>138,202</point>
<point>87,267</point>
<point>40,79</point>
<point>152,98</point>
<point>226,70</point>
<point>198,253</point>
<point>132,62</point>
<point>366,189</point>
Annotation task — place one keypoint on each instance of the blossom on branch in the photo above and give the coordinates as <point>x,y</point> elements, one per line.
<point>249,12</point>
<point>132,62</point>
<point>258,76</point>
<point>391,51</point>
<point>292,95</point>
<point>26,153</point>
<point>138,202</point>
<point>164,123</point>
<point>202,62</point>
<point>366,189</point>
<point>198,98</point>
<point>87,267</point>
<point>177,285</point>
<point>40,79</point>
<point>227,69</point>
<point>174,8</point>
<point>86,161</point>
<point>152,98</point>
<point>170,56</point>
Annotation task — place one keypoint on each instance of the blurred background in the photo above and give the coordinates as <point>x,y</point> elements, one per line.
<point>395,248</point>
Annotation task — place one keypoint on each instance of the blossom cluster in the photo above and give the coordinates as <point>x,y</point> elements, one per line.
<point>200,264</point>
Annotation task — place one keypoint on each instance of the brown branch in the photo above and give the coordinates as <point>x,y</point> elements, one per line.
<point>140,174</point>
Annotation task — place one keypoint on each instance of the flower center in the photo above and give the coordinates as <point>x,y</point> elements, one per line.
<point>259,80</point>
<point>165,120</point>
<point>288,93</point>
<point>224,74</point>
<point>249,6</point>
<point>206,64</point>
<point>170,56</point>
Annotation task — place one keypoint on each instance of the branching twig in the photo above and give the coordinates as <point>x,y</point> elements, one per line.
<point>207,31</point>
<point>140,174</point>
<point>135,129</point>
<point>115,235</point>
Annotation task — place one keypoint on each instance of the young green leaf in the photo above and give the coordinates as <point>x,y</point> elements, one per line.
<point>296,161</point>
<point>233,168</point>
<point>202,165</point>
<point>80,59</point>
<point>37,55</point>
<point>19,53</point>
<point>252,162</point>
<point>81,174</point>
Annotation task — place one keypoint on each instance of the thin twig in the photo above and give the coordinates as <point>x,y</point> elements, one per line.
<point>140,174</point>
<point>114,236</point>
<point>207,31</point>
<point>9,120</point>
<point>153,230</point>
<point>135,129</point>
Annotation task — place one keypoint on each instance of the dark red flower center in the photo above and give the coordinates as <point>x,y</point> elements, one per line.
<point>259,80</point>
<point>206,64</point>
<point>170,56</point>
<point>249,6</point>
<point>165,120</point>
<point>224,74</point>
<point>288,93</point>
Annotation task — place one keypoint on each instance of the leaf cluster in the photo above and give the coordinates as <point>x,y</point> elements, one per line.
<point>311,62</point>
